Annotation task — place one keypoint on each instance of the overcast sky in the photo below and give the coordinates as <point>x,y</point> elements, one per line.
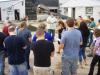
<point>59,0</point>
<point>4,0</point>
<point>63,1</point>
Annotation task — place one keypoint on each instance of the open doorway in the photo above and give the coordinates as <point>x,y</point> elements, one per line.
<point>0,14</point>
<point>73,13</point>
<point>17,14</point>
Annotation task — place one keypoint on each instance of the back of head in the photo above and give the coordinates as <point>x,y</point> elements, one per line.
<point>23,25</point>
<point>42,26</point>
<point>61,23</point>
<point>83,26</point>
<point>97,32</point>
<point>39,32</point>
<point>11,29</point>
<point>70,22</point>
<point>92,19</point>
<point>99,20</point>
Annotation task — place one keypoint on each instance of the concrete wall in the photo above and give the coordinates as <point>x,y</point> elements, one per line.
<point>6,5</point>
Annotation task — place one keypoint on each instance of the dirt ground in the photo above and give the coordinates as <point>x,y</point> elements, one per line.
<point>56,61</point>
<point>56,64</point>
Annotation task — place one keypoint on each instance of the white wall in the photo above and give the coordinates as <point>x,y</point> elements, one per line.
<point>81,11</point>
<point>15,5</point>
<point>96,13</point>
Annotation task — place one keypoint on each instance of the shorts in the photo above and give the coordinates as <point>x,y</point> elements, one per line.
<point>42,71</point>
<point>69,66</point>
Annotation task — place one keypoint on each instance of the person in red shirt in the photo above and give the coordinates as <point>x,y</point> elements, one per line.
<point>5,28</point>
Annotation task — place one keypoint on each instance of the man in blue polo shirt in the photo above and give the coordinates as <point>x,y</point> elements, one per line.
<point>16,50</point>
<point>70,43</point>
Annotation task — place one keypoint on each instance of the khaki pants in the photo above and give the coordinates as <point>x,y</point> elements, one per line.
<point>42,71</point>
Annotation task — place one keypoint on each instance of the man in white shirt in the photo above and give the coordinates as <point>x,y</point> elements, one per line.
<point>52,21</point>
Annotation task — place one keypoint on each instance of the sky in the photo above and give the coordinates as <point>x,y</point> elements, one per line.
<point>63,1</point>
<point>4,0</point>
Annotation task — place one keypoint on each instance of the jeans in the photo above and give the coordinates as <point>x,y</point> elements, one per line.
<point>95,60</point>
<point>27,54</point>
<point>18,69</point>
<point>52,32</point>
<point>69,66</point>
<point>90,38</point>
<point>82,54</point>
<point>2,62</point>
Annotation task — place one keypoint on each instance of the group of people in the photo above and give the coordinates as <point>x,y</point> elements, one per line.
<point>16,43</point>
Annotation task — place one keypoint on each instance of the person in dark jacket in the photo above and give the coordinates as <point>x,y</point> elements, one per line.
<point>25,33</point>
<point>16,46</point>
<point>2,53</point>
<point>85,34</point>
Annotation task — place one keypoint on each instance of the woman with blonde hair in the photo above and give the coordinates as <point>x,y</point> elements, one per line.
<point>46,34</point>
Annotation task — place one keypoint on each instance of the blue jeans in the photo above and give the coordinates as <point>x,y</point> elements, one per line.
<point>52,32</point>
<point>27,53</point>
<point>82,54</point>
<point>90,38</point>
<point>18,69</point>
<point>2,60</point>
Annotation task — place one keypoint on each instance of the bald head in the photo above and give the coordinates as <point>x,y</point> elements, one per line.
<point>70,22</point>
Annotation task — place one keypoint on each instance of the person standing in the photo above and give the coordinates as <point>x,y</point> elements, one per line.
<point>52,21</point>
<point>5,28</point>
<point>47,35</point>
<point>43,50</point>
<point>98,24</point>
<point>96,53</point>
<point>91,27</point>
<point>26,19</point>
<point>25,33</point>
<point>2,53</point>
<point>85,35</point>
<point>16,50</point>
<point>60,28</point>
<point>70,43</point>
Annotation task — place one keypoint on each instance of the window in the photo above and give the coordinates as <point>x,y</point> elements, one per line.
<point>89,10</point>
